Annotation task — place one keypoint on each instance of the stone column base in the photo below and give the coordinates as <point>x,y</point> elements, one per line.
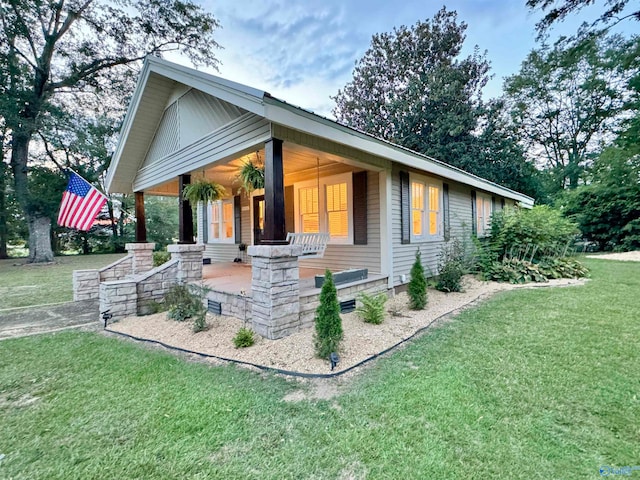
<point>142,255</point>
<point>190,261</point>
<point>275,286</point>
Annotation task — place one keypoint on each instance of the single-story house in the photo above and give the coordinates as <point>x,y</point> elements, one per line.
<point>373,204</point>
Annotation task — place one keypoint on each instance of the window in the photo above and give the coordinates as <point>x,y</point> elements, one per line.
<point>326,205</point>
<point>309,214</point>
<point>426,209</point>
<point>221,228</point>
<point>484,209</point>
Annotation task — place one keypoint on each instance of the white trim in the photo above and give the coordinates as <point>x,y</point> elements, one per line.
<point>426,236</point>
<point>219,206</point>
<point>274,110</point>
<point>386,225</point>
<point>322,183</point>
<point>486,224</point>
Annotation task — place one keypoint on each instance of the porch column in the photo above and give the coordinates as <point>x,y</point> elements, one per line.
<point>274,228</point>
<point>185,217</point>
<point>141,223</point>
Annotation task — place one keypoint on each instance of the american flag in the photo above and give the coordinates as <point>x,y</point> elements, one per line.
<point>81,203</point>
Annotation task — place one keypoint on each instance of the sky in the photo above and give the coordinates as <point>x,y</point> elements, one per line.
<point>304,51</point>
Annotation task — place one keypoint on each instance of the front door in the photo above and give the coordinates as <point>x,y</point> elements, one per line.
<point>258,219</point>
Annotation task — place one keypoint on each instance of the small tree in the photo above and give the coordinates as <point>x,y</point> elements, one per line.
<point>328,321</point>
<point>417,285</point>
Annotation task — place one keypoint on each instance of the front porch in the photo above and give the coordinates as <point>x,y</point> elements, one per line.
<point>230,292</point>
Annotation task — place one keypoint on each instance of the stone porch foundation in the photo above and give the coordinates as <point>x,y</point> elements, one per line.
<point>275,286</point>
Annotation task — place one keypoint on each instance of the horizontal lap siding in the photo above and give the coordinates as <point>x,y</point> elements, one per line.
<point>342,257</point>
<point>227,141</point>
<point>460,224</point>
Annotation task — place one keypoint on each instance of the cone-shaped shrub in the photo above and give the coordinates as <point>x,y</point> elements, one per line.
<point>328,321</point>
<point>417,285</point>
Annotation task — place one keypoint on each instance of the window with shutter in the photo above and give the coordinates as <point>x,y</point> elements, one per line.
<point>426,209</point>
<point>221,226</point>
<point>325,205</point>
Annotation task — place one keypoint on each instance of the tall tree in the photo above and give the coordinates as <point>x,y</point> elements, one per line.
<point>615,11</point>
<point>412,88</point>
<point>59,47</point>
<point>567,100</point>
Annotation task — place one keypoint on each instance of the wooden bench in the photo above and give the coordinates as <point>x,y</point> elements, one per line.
<point>313,244</point>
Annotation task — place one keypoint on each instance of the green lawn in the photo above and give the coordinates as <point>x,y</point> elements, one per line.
<point>532,384</point>
<point>23,285</point>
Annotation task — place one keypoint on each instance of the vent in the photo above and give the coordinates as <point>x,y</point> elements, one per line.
<point>348,306</point>
<point>214,307</point>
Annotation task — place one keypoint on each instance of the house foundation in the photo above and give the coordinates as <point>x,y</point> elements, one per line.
<point>275,286</point>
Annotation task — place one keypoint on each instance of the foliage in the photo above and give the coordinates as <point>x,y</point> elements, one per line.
<point>517,270</point>
<point>451,267</point>
<point>371,308</point>
<point>251,176</point>
<point>566,100</point>
<point>202,190</point>
<point>161,257</point>
<point>328,323</point>
<point>528,246</point>
<point>417,289</point>
<point>405,85</point>
<point>182,303</point>
<point>534,233</point>
<point>162,220</point>
<point>608,210</point>
<point>414,87</point>
<point>556,11</point>
<point>200,321</point>
<point>57,57</point>
<point>244,338</point>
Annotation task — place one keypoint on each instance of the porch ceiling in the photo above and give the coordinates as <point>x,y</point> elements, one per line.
<point>297,159</point>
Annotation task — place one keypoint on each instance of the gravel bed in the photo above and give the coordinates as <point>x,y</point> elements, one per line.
<point>295,352</point>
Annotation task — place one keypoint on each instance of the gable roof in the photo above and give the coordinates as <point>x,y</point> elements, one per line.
<point>159,77</point>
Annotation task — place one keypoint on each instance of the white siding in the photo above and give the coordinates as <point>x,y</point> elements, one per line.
<point>342,257</point>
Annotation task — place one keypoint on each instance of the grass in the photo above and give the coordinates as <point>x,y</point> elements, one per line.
<point>531,384</point>
<point>24,285</point>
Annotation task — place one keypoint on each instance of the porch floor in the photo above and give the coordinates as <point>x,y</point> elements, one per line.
<point>235,278</point>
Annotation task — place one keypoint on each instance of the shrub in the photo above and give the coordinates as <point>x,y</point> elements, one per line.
<point>160,257</point>
<point>372,309</point>
<point>327,320</point>
<point>186,301</point>
<point>451,267</point>
<point>244,338</point>
<point>417,285</point>
<point>515,270</point>
<point>542,228</point>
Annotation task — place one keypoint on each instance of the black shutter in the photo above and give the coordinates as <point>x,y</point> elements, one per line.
<point>289,209</point>
<point>405,208</point>
<point>205,222</point>
<point>445,211</point>
<point>474,214</point>
<point>237,218</point>
<point>493,204</point>
<point>502,203</point>
<point>360,208</point>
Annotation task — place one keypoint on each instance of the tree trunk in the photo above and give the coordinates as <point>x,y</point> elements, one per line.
<point>39,226</point>
<point>3,208</point>
<point>39,239</point>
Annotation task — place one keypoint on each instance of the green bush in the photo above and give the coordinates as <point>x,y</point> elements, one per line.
<point>371,309</point>
<point>200,321</point>
<point>182,303</point>
<point>542,230</point>
<point>515,270</point>
<point>244,338</point>
<point>160,257</point>
<point>327,320</point>
<point>417,289</point>
<point>451,268</point>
